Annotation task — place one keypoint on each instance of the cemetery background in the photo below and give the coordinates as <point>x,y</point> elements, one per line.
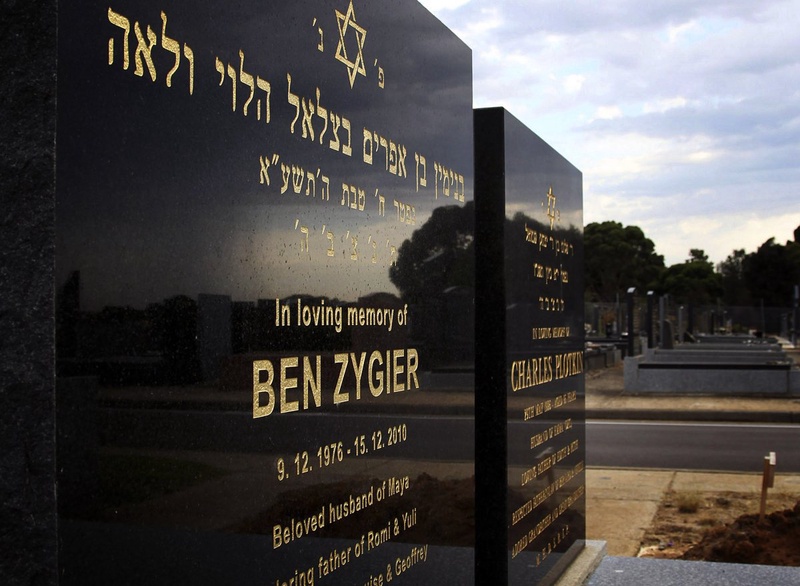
<point>748,291</point>
<point>627,506</point>
<point>741,296</point>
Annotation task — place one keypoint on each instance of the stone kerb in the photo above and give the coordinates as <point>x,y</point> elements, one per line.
<point>717,356</point>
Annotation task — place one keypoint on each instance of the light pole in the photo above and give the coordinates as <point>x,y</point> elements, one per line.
<point>630,301</point>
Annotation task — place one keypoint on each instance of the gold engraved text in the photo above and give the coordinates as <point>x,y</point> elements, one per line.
<point>294,383</point>
<point>532,372</point>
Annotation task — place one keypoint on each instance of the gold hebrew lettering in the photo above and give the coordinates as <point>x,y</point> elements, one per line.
<point>422,179</point>
<point>220,66</point>
<point>337,122</point>
<point>326,189</point>
<point>381,203</point>
<point>265,165</point>
<point>170,45</point>
<point>374,246</point>
<point>322,113</point>
<point>263,85</point>
<point>286,172</point>
<point>294,100</point>
<point>307,124</point>
<point>248,80</point>
<point>368,139</point>
<point>331,251</point>
<point>189,54</point>
<point>385,144</point>
<point>347,148</point>
<point>401,161</point>
<point>298,176</point>
<point>125,25</point>
<point>144,51</point>
<point>311,179</point>
<point>232,75</point>
<point>264,175</point>
<point>392,157</point>
<point>321,44</point>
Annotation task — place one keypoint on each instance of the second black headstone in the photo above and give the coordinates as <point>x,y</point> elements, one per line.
<point>530,448</point>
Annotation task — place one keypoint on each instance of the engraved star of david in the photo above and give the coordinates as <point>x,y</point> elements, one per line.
<point>345,22</point>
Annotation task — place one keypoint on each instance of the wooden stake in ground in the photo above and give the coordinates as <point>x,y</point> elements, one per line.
<point>767,481</point>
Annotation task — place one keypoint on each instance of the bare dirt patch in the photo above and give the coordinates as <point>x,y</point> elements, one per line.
<point>723,526</point>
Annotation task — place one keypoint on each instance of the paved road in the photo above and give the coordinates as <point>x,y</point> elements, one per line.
<point>237,431</point>
<point>694,446</point>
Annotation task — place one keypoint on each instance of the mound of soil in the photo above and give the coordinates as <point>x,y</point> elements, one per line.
<point>684,518</point>
<point>775,541</point>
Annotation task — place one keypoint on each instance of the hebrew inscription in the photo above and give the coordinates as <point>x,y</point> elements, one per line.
<point>237,186</point>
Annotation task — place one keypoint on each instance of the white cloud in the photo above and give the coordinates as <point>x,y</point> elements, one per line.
<point>573,83</point>
<point>675,33</point>
<point>664,104</point>
<point>701,156</point>
<point>437,6</point>
<point>607,113</point>
<point>722,234</point>
<point>684,116</point>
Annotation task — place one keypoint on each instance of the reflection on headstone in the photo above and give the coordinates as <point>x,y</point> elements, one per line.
<point>266,311</point>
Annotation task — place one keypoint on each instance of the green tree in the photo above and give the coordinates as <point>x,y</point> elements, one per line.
<point>734,288</point>
<point>698,255</point>
<point>617,257</point>
<point>772,271</point>
<point>693,281</point>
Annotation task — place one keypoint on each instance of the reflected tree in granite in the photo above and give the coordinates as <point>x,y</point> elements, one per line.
<point>435,275</point>
<point>437,256</point>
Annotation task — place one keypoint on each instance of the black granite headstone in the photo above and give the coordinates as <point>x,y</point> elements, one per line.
<point>27,182</point>
<point>530,448</point>
<point>265,283</point>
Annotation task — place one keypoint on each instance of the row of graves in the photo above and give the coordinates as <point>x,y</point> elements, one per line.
<point>722,365</point>
<point>318,320</point>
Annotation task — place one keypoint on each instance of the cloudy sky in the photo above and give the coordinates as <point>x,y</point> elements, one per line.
<point>684,116</point>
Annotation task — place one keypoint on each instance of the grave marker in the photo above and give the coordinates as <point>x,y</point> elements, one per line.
<point>276,362</point>
<point>530,442</point>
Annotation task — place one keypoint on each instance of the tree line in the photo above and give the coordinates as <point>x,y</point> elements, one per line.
<point>439,256</point>
<point>618,257</point>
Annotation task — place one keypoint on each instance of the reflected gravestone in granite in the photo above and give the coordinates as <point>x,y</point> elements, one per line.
<point>265,295</point>
<point>530,448</point>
